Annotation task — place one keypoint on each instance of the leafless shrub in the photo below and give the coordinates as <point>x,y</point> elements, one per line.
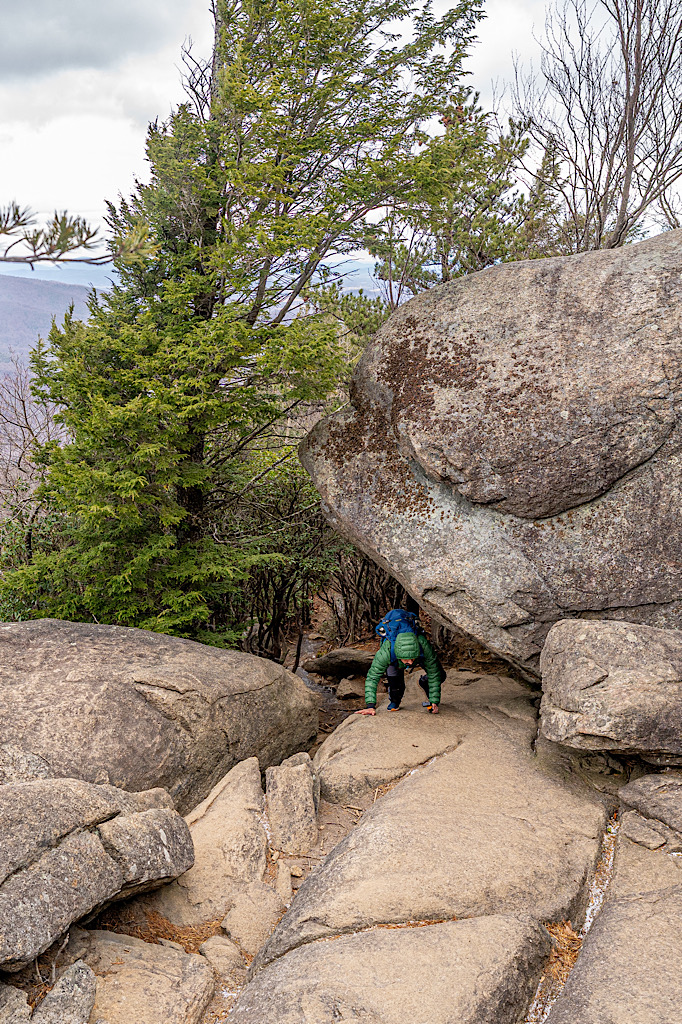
<point>24,425</point>
<point>606,115</point>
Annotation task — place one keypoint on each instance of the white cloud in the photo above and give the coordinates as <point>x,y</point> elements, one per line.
<point>82,79</point>
<point>72,137</point>
<point>41,36</point>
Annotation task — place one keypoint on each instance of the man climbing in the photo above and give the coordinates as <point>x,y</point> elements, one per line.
<point>393,656</point>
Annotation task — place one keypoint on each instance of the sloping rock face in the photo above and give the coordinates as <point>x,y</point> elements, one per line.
<point>472,972</point>
<point>139,710</point>
<point>630,966</point>
<point>364,753</point>
<point>435,901</point>
<point>230,846</point>
<point>614,686</point>
<point>512,451</point>
<point>68,847</point>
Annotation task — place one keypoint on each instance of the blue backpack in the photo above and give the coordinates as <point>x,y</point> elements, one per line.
<point>394,622</point>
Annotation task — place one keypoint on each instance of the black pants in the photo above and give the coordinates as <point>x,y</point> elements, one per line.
<point>395,675</point>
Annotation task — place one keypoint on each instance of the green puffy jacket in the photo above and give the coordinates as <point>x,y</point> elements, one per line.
<point>382,659</point>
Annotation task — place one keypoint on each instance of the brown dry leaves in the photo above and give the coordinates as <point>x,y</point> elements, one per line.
<point>566,945</point>
<point>155,927</point>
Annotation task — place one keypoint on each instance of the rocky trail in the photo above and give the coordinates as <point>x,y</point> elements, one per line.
<point>170,851</point>
<point>453,868</point>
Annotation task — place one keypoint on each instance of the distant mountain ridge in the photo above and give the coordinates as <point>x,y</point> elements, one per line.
<point>27,308</point>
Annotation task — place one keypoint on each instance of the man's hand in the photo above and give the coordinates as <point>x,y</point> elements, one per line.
<point>366,711</point>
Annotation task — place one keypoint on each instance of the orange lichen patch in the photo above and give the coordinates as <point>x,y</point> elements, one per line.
<point>152,927</point>
<point>566,945</point>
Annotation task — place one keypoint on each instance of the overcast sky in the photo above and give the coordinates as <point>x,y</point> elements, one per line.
<point>81,79</point>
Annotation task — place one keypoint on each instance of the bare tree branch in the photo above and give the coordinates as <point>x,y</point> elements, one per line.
<point>608,109</point>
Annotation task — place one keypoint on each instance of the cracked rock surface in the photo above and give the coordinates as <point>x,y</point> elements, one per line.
<point>143,983</point>
<point>140,710</point>
<point>68,848</point>
<point>473,972</point>
<point>230,845</point>
<point>488,831</point>
<point>513,448</point>
<point>630,967</point>
<point>70,1001</point>
<point>614,686</point>
<point>363,753</point>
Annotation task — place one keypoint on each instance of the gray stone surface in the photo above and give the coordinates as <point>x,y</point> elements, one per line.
<point>473,972</point>
<point>227,962</point>
<point>303,757</point>
<point>350,688</point>
<point>14,1008</point>
<point>488,828</point>
<point>140,710</point>
<point>656,796</point>
<point>364,752</point>
<point>18,765</point>
<point>71,1000</point>
<point>150,847</point>
<point>230,846</point>
<point>143,983</point>
<point>254,913</point>
<point>66,850</point>
<point>512,448</point>
<point>613,686</point>
<point>340,662</point>
<point>291,808</point>
<point>38,903</point>
<point>630,967</point>
<point>636,828</point>
<point>638,870</point>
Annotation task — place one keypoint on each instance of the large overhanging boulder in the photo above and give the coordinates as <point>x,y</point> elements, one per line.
<point>138,710</point>
<point>512,448</point>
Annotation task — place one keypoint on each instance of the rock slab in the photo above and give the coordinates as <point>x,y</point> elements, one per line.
<point>613,686</point>
<point>142,982</point>
<point>488,828</point>
<point>630,967</point>
<point>230,846</point>
<point>291,808</point>
<point>512,453</point>
<point>364,753</point>
<point>474,972</point>
<point>68,848</point>
<point>340,662</point>
<point>139,710</point>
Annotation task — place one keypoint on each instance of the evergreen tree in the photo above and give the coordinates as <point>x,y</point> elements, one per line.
<point>185,389</point>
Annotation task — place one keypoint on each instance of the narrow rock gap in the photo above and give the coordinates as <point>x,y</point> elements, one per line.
<point>568,944</point>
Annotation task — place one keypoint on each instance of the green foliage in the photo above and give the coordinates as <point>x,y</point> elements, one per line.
<point>161,412</point>
<point>356,317</point>
<point>56,242</point>
<point>467,211</point>
<point>174,498</point>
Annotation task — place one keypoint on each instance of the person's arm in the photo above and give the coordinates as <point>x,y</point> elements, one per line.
<point>432,669</point>
<point>382,660</point>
